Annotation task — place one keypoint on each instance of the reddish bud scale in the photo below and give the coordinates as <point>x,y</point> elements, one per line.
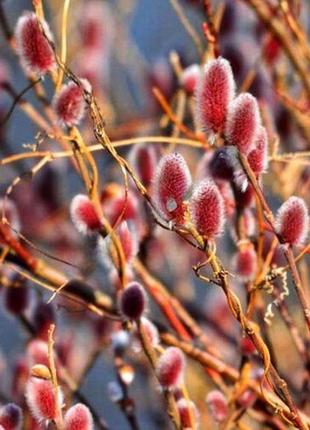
<point>190,78</point>
<point>170,368</point>
<point>207,209</point>
<point>218,405</point>
<point>172,182</point>
<point>78,417</point>
<point>69,105</point>
<point>215,91</point>
<point>11,417</point>
<point>132,301</point>
<point>246,263</point>
<point>143,160</point>
<point>292,221</point>
<point>258,157</point>
<point>34,50</point>
<point>40,398</point>
<point>84,215</point>
<point>243,122</point>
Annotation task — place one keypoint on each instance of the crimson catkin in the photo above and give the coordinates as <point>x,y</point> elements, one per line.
<point>218,405</point>
<point>215,90</point>
<point>292,221</point>
<point>33,48</point>
<point>40,397</point>
<point>170,368</point>
<point>243,121</point>
<point>258,157</point>
<point>171,184</point>
<point>84,215</point>
<point>78,417</point>
<point>207,209</point>
<point>69,104</point>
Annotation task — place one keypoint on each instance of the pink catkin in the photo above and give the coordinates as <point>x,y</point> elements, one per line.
<point>151,331</point>
<point>190,78</point>
<point>292,221</point>
<point>171,184</point>
<point>258,157</point>
<point>128,240</point>
<point>215,90</point>
<point>11,417</point>
<point>243,121</point>
<point>78,417</point>
<point>218,405</point>
<point>207,209</point>
<point>143,159</point>
<point>187,409</point>
<point>246,263</point>
<point>69,104</point>
<point>170,368</point>
<point>34,50</point>
<point>40,398</point>
<point>84,215</point>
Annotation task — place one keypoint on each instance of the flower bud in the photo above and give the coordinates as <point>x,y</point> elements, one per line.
<point>258,157</point>
<point>37,352</point>
<point>171,184</point>
<point>190,78</point>
<point>221,165</point>
<point>117,204</point>
<point>34,50</point>
<point>132,301</point>
<point>187,409</point>
<point>143,160</point>
<point>247,346</point>
<point>243,122</point>
<point>16,297</point>
<point>170,368</point>
<point>40,397</point>
<point>84,215</point>
<point>151,331</point>
<point>207,209</point>
<point>218,405</point>
<point>129,241</point>
<point>43,317</point>
<point>215,91</point>
<point>247,399</point>
<point>292,221</point>
<point>246,263</point>
<point>78,417</point>
<point>69,104</point>
<point>244,197</point>
<point>11,417</point>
